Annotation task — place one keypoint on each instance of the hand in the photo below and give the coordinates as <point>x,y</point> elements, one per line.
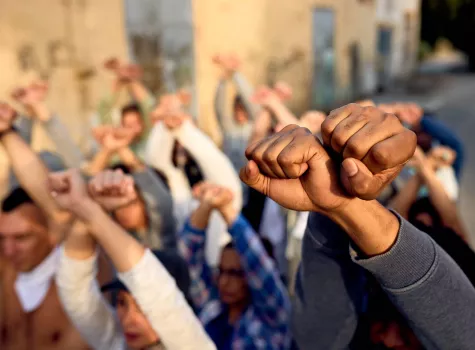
<point>112,189</point>
<point>313,121</point>
<point>293,169</point>
<point>418,159</point>
<point>117,138</point>
<point>215,196</point>
<point>443,156</point>
<point>32,95</point>
<point>184,96</point>
<point>228,63</point>
<point>112,64</point>
<point>100,132</point>
<point>283,91</point>
<point>265,97</point>
<point>7,117</point>
<point>367,103</point>
<point>69,191</point>
<point>409,113</point>
<point>374,147</point>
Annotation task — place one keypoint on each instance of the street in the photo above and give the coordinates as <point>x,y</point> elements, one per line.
<point>453,101</point>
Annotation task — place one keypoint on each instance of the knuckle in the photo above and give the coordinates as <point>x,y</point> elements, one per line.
<point>327,127</point>
<point>339,140</point>
<point>381,155</point>
<point>285,159</point>
<point>268,156</point>
<point>354,150</point>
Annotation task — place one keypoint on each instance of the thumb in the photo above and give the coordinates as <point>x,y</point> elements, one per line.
<point>252,177</point>
<point>359,181</point>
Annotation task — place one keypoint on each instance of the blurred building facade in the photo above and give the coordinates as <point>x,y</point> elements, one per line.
<point>327,50</point>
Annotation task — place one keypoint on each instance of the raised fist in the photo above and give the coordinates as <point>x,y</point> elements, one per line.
<point>215,196</point>
<point>68,190</point>
<point>296,171</point>
<point>373,145</point>
<point>7,117</point>
<point>118,138</point>
<point>112,189</point>
<point>283,90</point>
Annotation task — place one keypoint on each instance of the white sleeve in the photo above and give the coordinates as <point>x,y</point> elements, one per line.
<point>214,164</point>
<point>165,307</point>
<point>218,169</point>
<point>82,300</point>
<point>159,151</point>
<point>446,176</point>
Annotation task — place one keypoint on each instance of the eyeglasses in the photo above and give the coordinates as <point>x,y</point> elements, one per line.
<point>232,273</point>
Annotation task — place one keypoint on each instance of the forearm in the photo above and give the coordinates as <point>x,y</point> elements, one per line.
<point>369,225</point>
<point>428,288</point>
<point>99,162</point>
<point>443,204</point>
<point>224,119</point>
<point>330,288</point>
<point>83,302</point>
<point>158,296</point>
<point>402,202</point>
<point>138,91</point>
<point>283,114</point>
<point>245,90</point>
<point>129,158</point>
<point>210,158</point>
<point>123,250</point>
<point>25,162</point>
<point>199,219</point>
<point>65,146</point>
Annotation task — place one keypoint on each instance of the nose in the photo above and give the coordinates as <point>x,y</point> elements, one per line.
<point>129,318</point>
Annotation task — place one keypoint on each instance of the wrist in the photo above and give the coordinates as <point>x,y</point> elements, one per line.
<point>40,111</point>
<point>86,210</point>
<point>229,214</point>
<point>8,131</point>
<point>372,227</point>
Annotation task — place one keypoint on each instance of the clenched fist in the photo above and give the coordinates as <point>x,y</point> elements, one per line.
<point>365,150</point>
<point>112,189</point>
<point>69,190</point>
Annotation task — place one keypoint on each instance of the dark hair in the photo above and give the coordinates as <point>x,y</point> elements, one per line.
<point>269,248</point>
<point>131,108</point>
<point>424,205</point>
<point>238,102</point>
<point>192,169</point>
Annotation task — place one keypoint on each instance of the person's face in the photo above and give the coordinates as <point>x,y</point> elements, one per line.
<point>132,216</point>
<point>392,335</point>
<point>240,114</point>
<point>24,237</point>
<point>232,283</point>
<point>133,121</point>
<point>137,330</point>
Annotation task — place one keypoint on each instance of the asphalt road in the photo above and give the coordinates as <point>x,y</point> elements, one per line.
<point>452,97</point>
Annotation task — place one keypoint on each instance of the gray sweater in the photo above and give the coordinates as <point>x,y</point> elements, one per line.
<point>424,283</point>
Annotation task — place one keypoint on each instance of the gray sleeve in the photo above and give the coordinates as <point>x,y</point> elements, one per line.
<point>245,90</point>
<point>24,126</point>
<point>225,121</point>
<point>428,288</point>
<point>329,288</point>
<point>65,146</point>
<point>159,203</point>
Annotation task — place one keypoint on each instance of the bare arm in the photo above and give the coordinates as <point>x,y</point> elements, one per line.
<point>25,162</point>
<point>402,202</point>
<point>100,161</point>
<point>446,208</point>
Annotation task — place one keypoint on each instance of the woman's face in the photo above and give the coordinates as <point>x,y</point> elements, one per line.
<point>137,330</point>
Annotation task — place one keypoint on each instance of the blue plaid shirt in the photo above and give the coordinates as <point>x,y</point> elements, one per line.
<point>265,324</point>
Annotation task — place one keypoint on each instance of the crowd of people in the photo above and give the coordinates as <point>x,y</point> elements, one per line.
<point>324,231</point>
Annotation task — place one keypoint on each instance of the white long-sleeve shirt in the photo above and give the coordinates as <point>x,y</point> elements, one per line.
<point>215,166</point>
<point>152,287</point>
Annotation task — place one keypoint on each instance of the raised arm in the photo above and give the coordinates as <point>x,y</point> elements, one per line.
<point>25,162</point>
<point>145,277</point>
<point>210,158</point>
<point>329,287</point>
<point>159,156</point>
<point>442,133</point>
<point>402,201</point>
<point>80,293</point>
<point>446,207</point>
<point>269,295</point>
<point>420,278</point>
<point>192,247</point>
<point>245,90</point>
<point>162,223</point>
